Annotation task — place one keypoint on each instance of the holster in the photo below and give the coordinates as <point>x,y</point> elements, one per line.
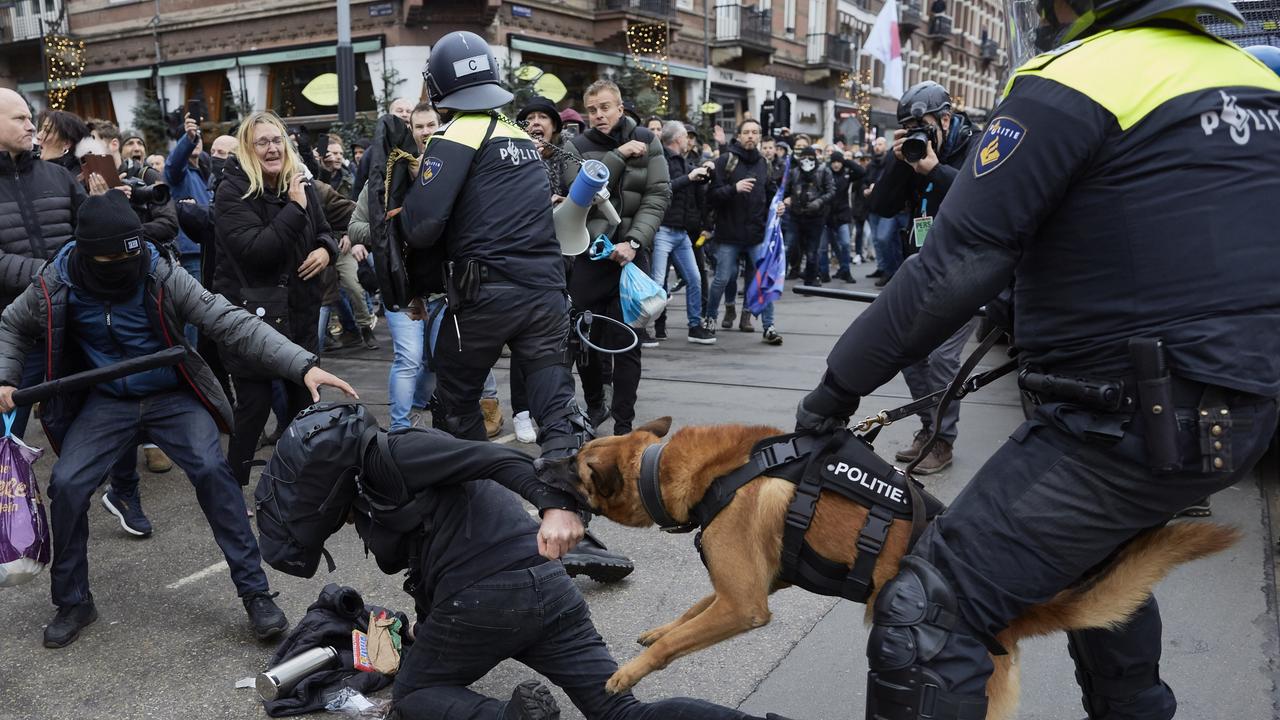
<point>462,283</point>
<point>1156,404</point>
<point>1215,432</point>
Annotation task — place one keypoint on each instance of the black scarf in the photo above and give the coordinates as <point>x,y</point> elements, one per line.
<point>112,281</point>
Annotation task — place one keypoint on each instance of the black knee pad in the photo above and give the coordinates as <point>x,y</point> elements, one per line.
<point>914,615</point>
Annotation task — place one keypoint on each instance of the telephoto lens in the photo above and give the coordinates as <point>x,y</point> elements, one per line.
<point>916,146</point>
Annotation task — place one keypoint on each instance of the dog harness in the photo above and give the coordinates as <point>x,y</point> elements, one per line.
<point>842,463</point>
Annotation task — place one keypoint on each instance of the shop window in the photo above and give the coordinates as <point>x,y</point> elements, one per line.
<point>215,90</point>
<point>92,102</point>
<point>287,81</point>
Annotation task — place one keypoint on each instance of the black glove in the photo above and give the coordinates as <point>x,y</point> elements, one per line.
<point>823,411</point>
<point>813,208</point>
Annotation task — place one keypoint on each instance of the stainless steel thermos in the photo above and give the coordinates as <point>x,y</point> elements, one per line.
<point>280,679</point>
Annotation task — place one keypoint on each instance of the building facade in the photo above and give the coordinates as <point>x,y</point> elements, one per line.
<point>793,63</point>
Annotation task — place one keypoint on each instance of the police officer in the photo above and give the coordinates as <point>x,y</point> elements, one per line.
<point>1090,198</point>
<point>483,194</point>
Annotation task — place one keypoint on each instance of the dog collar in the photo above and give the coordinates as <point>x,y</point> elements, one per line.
<point>651,492</point>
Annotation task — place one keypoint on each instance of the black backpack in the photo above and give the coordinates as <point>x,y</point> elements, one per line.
<point>313,483</point>
<point>309,485</point>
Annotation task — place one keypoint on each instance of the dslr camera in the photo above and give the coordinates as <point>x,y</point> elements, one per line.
<point>915,146</point>
<point>144,194</point>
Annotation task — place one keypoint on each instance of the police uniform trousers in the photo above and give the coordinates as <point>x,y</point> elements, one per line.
<point>1055,502</point>
<point>534,323</point>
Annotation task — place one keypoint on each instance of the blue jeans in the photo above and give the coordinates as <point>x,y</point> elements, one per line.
<point>108,427</point>
<point>346,318</point>
<point>411,382</point>
<point>727,267</point>
<point>538,617</point>
<point>889,242</point>
<point>675,243</point>
<point>409,377</point>
<point>840,236</point>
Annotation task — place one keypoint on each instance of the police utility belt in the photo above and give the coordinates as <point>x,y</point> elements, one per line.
<point>462,281</point>
<point>840,463</point>
<point>1155,394</point>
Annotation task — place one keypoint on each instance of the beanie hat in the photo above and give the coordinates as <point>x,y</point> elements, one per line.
<point>568,115</point>
<point>837,156</point>
<point>542,105</point>
<point>107,225</point>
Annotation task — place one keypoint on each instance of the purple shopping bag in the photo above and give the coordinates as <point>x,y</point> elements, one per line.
<point>24,530</point>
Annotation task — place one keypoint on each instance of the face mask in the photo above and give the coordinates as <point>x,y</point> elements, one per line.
<point>217,164</point>
<point>808,164</point>
<point>116,280</point>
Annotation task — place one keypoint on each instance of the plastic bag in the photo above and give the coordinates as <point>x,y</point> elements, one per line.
<point>24,529</point>
<point>354,704</point>
<point>643,300</point>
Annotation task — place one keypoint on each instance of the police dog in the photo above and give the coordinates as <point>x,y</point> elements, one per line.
<point>743,547</point>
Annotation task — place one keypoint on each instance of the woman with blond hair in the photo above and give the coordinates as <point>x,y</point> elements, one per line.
<point>273,242</point>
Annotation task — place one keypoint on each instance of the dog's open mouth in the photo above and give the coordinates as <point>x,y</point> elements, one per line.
<point>562,474</point>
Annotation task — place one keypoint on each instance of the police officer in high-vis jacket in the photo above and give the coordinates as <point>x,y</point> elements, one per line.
<point>1136,229</point>
<point>482,193</point>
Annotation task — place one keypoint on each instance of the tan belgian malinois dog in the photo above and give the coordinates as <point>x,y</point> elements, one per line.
<point>743,547</point>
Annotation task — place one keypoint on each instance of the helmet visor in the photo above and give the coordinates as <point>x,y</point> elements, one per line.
<point>1023,21</point>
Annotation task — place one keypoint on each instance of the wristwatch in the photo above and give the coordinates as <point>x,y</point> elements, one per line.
<point>634,245</point>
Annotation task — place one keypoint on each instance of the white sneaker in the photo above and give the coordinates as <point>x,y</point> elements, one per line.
<point>525,432</point>
<point>857,259</point>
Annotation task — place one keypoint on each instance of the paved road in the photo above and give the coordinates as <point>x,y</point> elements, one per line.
<point>172,638</point>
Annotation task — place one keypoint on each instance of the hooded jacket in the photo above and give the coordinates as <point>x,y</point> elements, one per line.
<point>171,299</point>
<point>740,217</point>
<point>38,204</point>
<point>268,236</point>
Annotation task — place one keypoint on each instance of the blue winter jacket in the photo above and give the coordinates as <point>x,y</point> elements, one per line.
<point>185,182</point>
<point>108,332</point>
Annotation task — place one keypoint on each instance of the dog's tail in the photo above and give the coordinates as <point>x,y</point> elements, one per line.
<point>1108,600</point>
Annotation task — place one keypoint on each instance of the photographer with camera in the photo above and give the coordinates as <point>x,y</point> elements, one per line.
<point>148,195</point>
<point>929,150</point>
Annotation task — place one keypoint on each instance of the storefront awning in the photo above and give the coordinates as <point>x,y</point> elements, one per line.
<point>595,56</point>
<point>135,74</point>
<point>225,63</point>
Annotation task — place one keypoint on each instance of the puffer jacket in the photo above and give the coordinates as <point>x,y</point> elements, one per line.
<point>38,204</point>
<point>640,190</point>
<point>172,299</point>
<point>268,236</point>
<point>811,193</point>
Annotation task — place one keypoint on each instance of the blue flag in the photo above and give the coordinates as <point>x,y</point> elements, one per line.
<point>771,270</point>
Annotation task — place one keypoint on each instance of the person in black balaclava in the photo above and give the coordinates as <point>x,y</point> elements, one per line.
<point>809,192</point>
<point>112,296</point>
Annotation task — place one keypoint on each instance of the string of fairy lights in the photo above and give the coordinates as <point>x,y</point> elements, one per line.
<point>65,58</point>
<point>857,90</point>
<point>647,45</point>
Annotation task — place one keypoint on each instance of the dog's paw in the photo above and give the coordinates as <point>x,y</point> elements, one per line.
<point>624,679</point>
<point>652,636</point>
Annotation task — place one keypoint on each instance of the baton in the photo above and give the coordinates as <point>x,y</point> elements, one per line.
<point>852,295</point>
<point>107,373</point>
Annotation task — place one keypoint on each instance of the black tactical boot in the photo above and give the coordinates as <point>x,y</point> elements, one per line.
<point>66,625</point>
<point>531,700</point>
<point>265,617</point>
<point>591,558</point>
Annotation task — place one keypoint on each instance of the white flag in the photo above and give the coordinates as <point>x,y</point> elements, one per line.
<point>883,45</point>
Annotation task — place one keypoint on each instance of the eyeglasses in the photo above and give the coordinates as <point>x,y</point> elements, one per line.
<point>265,143</point>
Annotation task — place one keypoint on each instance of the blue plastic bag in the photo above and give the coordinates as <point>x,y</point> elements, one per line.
<point>643,300</point>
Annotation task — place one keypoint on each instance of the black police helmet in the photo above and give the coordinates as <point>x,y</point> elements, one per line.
<point>462,74</point>
<point>926,98</point>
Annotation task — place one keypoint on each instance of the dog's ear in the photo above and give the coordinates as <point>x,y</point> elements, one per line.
<point>659,427</point>
<point>605,477</point>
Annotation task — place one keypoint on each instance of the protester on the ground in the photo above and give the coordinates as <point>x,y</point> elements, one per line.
<point>30,233</point>
<point>272,233</point>
<point>109,296</point>
<point>60,133</point>
<point>738,195</point>
<point>487,587</point>
<point>671,242</point>
<point>639,188</point>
